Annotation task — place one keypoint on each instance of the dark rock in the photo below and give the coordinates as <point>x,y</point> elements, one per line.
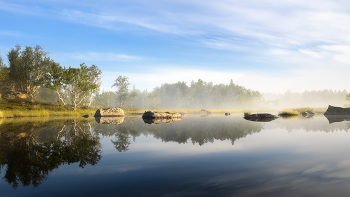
<point>263,117</point>
<point>110,112</point>
<point>337,111</point>
<point>307,114</point>
<point>227,114</point>
<point>86,116</point>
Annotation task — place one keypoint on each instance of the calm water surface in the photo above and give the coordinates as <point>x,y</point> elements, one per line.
<point>196,156</point>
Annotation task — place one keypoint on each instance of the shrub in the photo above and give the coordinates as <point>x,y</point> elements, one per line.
<point>288,113</point>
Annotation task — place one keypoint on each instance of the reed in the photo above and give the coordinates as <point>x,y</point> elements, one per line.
<point>286,113</point>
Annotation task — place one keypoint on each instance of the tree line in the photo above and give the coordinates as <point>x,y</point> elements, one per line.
<point>32,72</point>
<point>199,94</point>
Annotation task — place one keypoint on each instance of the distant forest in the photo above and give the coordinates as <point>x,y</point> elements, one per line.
<point>32,73</point>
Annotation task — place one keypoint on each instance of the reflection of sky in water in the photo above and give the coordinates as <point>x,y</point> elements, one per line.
<point>286,158</point>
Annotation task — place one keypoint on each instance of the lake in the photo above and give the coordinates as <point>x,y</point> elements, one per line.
<point>195,156</point>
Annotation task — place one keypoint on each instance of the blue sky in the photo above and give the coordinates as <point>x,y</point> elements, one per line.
<point>267,45</point>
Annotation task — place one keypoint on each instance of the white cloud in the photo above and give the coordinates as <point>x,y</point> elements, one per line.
<point>93,56</point>
<point>341,53</point>
<point>311,53</point>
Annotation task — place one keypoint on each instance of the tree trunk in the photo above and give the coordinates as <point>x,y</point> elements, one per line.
<point>60,97</point>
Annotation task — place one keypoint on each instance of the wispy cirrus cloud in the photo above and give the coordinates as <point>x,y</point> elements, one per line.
<point>94,56</point>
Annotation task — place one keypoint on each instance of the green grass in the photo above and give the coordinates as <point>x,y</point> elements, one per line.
<point>285,113</point>
<point>24,108</point>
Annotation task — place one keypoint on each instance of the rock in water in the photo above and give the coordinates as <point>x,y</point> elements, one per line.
<point>337,111</point>
<point>263,117</point>
<point>227,114</point>
<point>160,115</point>
<point>86,116</point>
<point>110,112</point>
<point>307,114</point>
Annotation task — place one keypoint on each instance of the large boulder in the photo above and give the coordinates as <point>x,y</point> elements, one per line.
<point>160,115</point>
<point>337,111</point>
<point>110,112</point>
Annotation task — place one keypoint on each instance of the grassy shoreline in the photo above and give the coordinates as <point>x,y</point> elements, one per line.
<point>21,108</point>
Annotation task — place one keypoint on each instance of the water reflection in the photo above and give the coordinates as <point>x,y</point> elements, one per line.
<point>109,120</point>
<point>160,121</point>
<point>30,153</point>
<point>337,118</point>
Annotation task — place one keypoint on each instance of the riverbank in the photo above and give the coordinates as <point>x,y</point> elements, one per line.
<point>25,108</point>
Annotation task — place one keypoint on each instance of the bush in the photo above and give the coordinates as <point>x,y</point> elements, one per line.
<point>288,113</point>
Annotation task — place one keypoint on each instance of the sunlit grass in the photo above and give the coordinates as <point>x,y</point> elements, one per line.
<point>247,113</point>
<point>40,113</point>
<point>303,109</point>
<point>1,114</point>
<point>286,113</point>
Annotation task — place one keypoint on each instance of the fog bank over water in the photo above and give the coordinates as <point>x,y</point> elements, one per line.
<point>201,94</point>
<point>307,99</point>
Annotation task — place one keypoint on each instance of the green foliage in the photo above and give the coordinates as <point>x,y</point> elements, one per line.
<point>28,68</point>
<point>154,98</point>
<point>4,71</point>
<point>133,94</point>
<point>81,82</point>
<point>122,85</point>
<point>105,99</point>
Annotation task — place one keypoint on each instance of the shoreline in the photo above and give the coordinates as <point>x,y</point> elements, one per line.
<point>17,113</point>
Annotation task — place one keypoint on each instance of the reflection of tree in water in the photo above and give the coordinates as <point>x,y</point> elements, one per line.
<point>29,161</point>
<point>207,130</point>
<point>122,139</point>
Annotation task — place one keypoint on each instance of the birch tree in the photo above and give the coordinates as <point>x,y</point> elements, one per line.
<point>122,85</point>
<point>78,82</point>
